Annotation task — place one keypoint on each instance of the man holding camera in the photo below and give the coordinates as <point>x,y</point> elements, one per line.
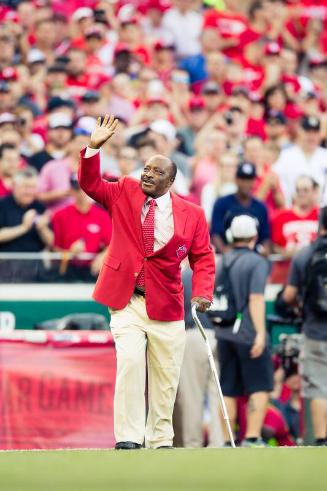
<point>307,286</point>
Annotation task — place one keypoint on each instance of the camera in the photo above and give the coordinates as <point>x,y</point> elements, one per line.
<point>289,352</point>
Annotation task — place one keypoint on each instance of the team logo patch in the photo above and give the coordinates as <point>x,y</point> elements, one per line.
<point>181,251</point>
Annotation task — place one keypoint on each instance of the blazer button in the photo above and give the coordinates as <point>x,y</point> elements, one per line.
<point>145,259</point>
<point>136,275</point>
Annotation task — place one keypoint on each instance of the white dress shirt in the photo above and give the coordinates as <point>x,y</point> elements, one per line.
<point>163,215</point>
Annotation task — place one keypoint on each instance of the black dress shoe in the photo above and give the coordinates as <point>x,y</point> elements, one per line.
<point>170,447</point>
<point>127,446</point>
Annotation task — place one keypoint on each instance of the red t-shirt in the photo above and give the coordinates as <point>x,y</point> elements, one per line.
<point>289,230</point>
<point>93,227</point>
<point>269,200</point>
<point>229,25</point>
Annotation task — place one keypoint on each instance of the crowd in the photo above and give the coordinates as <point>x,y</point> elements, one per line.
<point>235,93</point>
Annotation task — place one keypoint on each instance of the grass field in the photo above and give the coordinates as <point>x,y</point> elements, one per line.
<point>208,469</point>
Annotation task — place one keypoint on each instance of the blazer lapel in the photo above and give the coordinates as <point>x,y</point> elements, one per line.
<point>180,215</point>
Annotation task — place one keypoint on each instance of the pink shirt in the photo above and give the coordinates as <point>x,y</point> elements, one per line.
<point>55,176</point>
<point>205,171</point>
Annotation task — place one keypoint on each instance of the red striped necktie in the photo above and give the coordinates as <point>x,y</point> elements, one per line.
<point>148,239</point>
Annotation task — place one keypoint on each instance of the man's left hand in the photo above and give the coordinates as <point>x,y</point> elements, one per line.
<point>203,304</point>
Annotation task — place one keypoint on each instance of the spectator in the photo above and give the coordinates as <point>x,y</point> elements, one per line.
<point>164,134</point>
<point>184,24</point>
<point>30,142</point>
<point>23,223</point>
<point>212,96</point>
<point>239,203</point>
<point>9,165</point>
<point>244,358</point>
<point>59,134</point>
<point>276,129</point>
<point>90,104</point>
<point>54,183</point>
<point>197,115</point>
<point>306,157</point>
<point>223,185</point>
<point>196,385</point>
<point>267,187</point>
<point>196,65</point>
<point>206,163</point>
<point>89,231</point>
<point>128,160</point>
<point>297,227</point>
<point>301,288</point>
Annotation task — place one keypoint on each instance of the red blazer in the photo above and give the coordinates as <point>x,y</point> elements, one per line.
<point>125,257</point>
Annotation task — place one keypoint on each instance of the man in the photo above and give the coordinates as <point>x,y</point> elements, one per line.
<point>197,390</point>
<point>23,227</point>
<point>242,202</point>
<point>306,157</point>
<point>9,164</point>
<point>314,368</point>
<point>245,362</point>
<point>54,183</point>
<point>140,281</point>
<point>59,134</point>
<point>23,224</point>
<point>277,130</point>
<point>81,227</point>
<point>196,116</point>
<point>267,187</point>
<point>296,227</point>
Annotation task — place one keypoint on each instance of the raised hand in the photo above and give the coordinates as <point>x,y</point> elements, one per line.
<point>103,131</point>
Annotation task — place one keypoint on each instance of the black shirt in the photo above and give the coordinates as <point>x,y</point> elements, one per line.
<point>39,159</point>
<point>11,215</point>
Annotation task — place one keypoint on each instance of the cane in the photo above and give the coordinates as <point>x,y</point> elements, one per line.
<point>215,374</point>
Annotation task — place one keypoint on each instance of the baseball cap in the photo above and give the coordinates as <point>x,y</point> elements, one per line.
<point>85,125</point>
<point>246,170</point>
<point>35,56</point>
<point>161,5</point>
<point>90,96</point>
<point>196,103</point>
<point>210,88</point>
<point>272,49</point>
<point>55,102</point>
<point>277,116</point>
<point>164,128</point>
<point>59,120</point>
<point>9,73</point>
<point>7,118</point>
<point>82,13</point>
<point>310,123</point>
<point>243,227</point>
<point>121,48</point>
<point>161,45</point>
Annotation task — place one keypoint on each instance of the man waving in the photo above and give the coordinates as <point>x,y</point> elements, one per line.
<point>140,282</point>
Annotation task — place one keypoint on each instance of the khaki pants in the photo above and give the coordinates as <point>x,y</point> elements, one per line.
<point>155,347</point>
<point>197,382</point>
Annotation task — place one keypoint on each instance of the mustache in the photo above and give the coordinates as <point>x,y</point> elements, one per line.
<point>146,179</point>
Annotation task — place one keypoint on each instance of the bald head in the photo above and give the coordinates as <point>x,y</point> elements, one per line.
<point>158,175</point>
